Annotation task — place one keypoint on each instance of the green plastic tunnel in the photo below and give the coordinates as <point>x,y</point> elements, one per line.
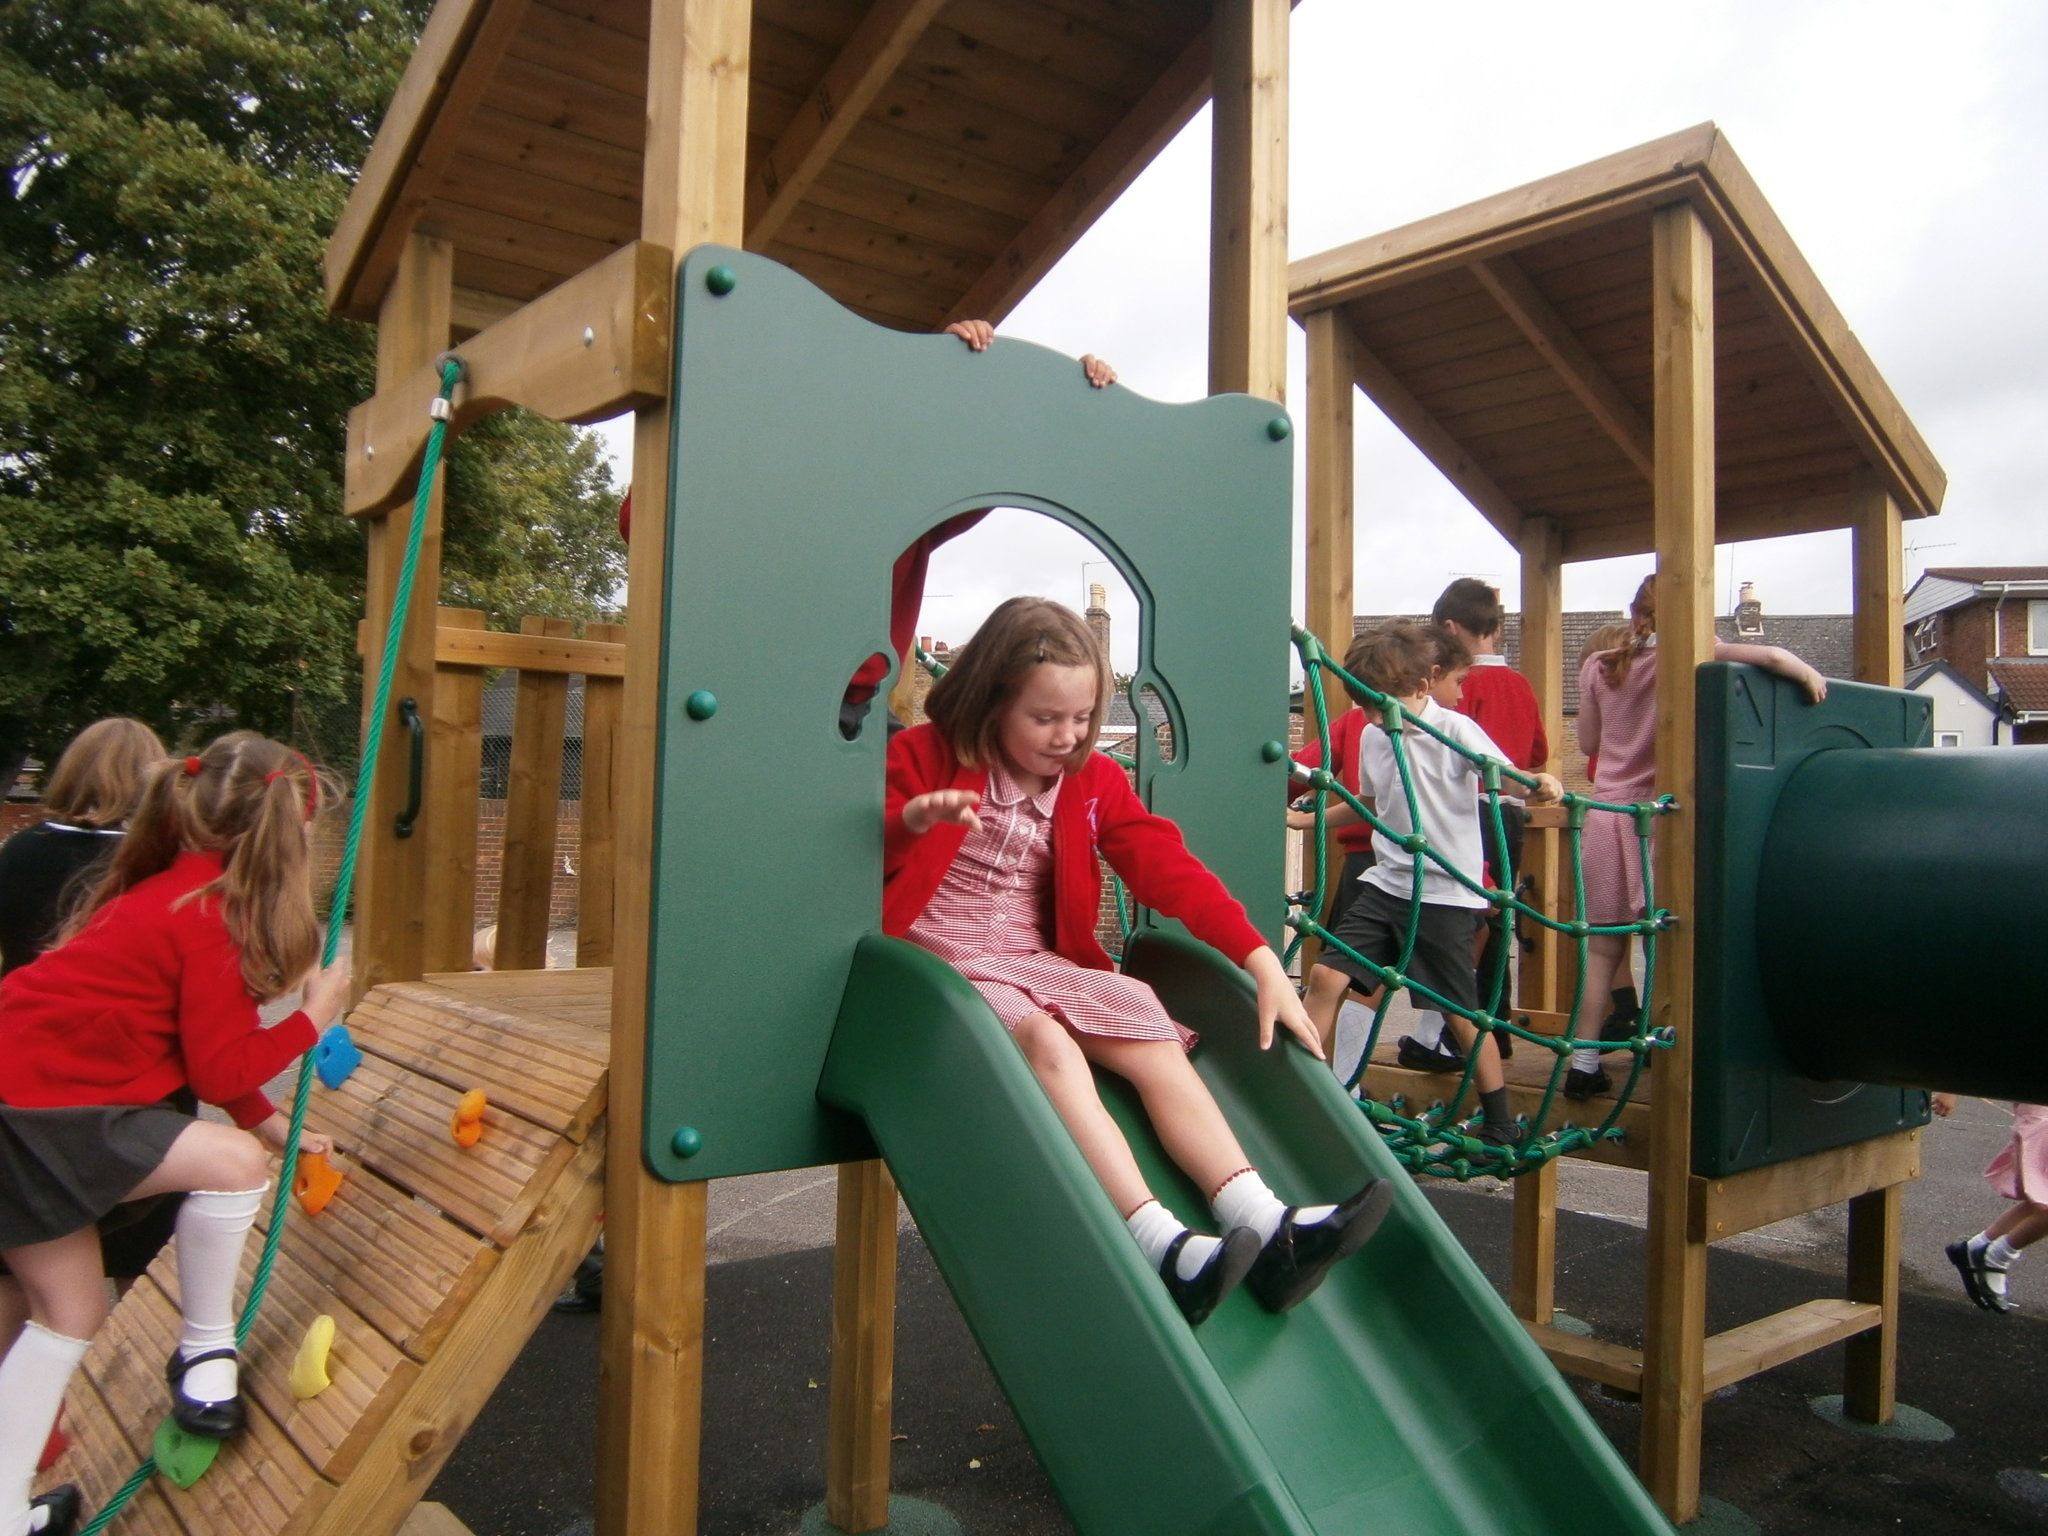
<point>1903,919</point>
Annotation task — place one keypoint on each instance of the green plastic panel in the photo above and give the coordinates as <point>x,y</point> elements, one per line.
<point>1751,1105</point>
<point>1402,1396</point>
<point>1904,895</point>
<point>810,448</point>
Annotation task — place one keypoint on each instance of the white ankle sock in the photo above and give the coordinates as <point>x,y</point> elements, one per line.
<point>1999,1253</point>
<point>33,1377</point>
<point>1585,1059</point>
<point>212,1226</point>
<point>1245,1201</point>
<point>1155,1228</point>
<point>1429,1031</point>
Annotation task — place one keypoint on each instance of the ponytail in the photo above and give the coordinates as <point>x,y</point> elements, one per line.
<point>248,799</point>
<point>1616,665</point>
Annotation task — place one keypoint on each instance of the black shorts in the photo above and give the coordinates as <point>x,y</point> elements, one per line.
<point>1375,924</point>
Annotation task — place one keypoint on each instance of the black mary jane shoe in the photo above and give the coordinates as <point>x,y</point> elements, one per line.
<point>62,1504</point>
<point>209,1421</point>
<point>1228,1265</point>
<point>1298,1255</point>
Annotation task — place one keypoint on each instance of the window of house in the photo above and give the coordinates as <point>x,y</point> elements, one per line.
<point>1948,738</point>
<point>2037,628</point>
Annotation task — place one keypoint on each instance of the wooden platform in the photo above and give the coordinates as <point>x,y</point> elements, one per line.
<point>435,1262</point>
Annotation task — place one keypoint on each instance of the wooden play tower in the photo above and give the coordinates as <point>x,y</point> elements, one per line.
<point>542,172</point>
<point>1629,358</point>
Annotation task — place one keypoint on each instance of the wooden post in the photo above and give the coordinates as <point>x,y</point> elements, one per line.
<point>1682,345</point>
<point>1870,1376</point>
<point>693,189</point>
<point>533,809</point>
<point>1532,1277</point>
<point>1332,385</point>
<point>863,1350</point>
<point>455,739</point>
<point>598,833</point>
<point>1880,622</point>
<point>1542,659</point>
<point>1248,201</point>
<point>389,939</point>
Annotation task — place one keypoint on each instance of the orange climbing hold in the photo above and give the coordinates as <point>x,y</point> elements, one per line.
<point>315,1182</point>
<point>468,1125</point>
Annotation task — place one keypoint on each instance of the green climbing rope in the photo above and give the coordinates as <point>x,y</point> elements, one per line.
<point>1439,1139</point>
<point>451,374</point>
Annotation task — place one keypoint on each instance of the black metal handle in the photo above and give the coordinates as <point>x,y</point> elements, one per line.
<point>409,717</point>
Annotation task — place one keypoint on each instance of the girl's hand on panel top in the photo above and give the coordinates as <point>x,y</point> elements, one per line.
<point>1806,677</point>
<point>1943,1104</point>
<point>953,806</point>
<point>1100,374</point>
<point>276,1134</point>
<point>1278,1000</point>
<point>325,992</point>
<point>976,333</point>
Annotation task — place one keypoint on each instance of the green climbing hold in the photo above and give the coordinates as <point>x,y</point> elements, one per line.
<point>687,1142</point>
<point>721,280</point>
<point>181,1457</point>
<point>1272,752</point>
<point>701,705</point>
<point>1279,429</point>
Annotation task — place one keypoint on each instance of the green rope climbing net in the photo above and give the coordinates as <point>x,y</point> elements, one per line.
<point>344,883</point>
<point>1438,1139</point>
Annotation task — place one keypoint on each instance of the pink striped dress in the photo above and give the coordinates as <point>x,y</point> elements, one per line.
<point>990,917</point>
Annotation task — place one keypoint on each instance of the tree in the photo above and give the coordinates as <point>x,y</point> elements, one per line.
<point>173,393</point>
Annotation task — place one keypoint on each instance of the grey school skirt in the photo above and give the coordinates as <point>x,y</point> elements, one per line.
<point>62,1169</point>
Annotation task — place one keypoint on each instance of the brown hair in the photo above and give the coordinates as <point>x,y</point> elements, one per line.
<point>1470,604</point>
<point>966,705</point>
<point>1452,654</point>
<point>1642,624</point>
<point>99,778</point>
<point>249,799</point>
<point>1396,658</point>
<point>1606,638</point>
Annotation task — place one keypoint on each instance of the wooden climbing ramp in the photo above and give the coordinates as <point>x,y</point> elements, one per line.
<point>436,1263</point>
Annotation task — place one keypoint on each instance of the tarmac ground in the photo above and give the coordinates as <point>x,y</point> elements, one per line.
<point>1773,1461</point>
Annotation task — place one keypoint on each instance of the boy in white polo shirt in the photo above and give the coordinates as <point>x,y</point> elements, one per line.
<point>1397,660</point>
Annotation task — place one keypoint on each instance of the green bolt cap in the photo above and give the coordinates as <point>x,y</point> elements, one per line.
<point>701,705</point>
<point>721,280</point>
<point>1272,752</point>
<point>687,1142</point>
<point>1279,429</point>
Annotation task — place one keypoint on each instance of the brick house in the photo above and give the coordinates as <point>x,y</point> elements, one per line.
<point>1990,624</point>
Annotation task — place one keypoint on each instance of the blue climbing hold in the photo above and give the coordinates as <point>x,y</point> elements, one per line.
<point>335,1057</point>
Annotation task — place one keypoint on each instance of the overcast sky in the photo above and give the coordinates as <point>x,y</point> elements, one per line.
<point>1905,147</point>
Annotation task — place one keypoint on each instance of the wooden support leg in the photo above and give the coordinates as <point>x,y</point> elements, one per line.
<point>863,1349</point>
<point>1870,1380</point>
<point>1532,1282</point>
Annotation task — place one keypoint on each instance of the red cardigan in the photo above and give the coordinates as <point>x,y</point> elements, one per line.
<point>1504,704</point>
<point>147,1000</point>
<point>1345,732</point>
<point>1097,812</point>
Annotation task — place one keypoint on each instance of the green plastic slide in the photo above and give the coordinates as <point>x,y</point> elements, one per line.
<point>1402,1396</point>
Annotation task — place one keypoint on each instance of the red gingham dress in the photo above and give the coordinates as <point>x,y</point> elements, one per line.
<point>1622,726</point>
<point>989,917</point>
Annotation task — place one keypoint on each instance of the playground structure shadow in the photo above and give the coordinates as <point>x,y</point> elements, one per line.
<point>525,1468</point>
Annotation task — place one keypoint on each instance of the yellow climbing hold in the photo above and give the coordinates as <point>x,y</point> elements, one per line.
<point>309,1371</point>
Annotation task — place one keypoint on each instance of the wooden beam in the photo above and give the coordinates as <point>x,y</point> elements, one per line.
<point>1870,1367</point>
<point>863,1350</point>
<point>460,49</point>
<point>650,1403</point>
<point>1674,1331</point>
<point>589,349</point>
<point>1612,1365</point>
<point>783,176</point>
<point>1559,346</point>
<point>1100,180</point>
<point>1328,555</point>
<point>1771,1341</point>
<point>1248,200</point>
<point>531,653</point>
<point>598,834</point>
<point>1532,1278</point>
<point>1543,659</point>
<point>1742,1202</point>
<point>390,927</point>
<point>1437,445</point>
<point>1880,621</point>
<point>455,739</point>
